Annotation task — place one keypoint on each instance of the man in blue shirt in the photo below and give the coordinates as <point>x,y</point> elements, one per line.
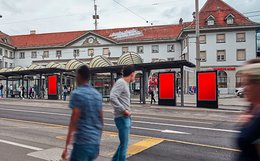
<point>86,121</point>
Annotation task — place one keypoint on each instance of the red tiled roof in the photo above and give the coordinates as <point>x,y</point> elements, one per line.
<point>49,39</point>
<point>164,32</point>
<point>4,38</point>
<point>220,10</point>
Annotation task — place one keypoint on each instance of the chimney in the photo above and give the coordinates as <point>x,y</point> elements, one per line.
<point>180,21</point>
<point>33,32</point>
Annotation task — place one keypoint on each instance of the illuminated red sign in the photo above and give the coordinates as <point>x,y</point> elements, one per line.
<point>166,86</point>
<point>207,86</point>
<point>230,68</point>
<point>52,85</point>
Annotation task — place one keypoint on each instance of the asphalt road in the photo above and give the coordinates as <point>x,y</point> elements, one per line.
<point>188,136</point>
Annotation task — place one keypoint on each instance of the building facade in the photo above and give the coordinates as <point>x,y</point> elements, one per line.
<point>228,39</point>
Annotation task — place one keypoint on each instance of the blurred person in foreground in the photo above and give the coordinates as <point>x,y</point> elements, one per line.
<point>86,122</point>
<point>249,138</point>
<point>120,100</point>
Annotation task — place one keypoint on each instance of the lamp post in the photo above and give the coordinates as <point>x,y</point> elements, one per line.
<point>197,35</point>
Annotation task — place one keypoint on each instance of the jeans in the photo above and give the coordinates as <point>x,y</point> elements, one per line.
<point>1,93</point>
<point>123,125</point>
<point>64,96</point>
<point>86,152</point>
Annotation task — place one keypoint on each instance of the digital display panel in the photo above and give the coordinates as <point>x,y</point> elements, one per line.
<point>52,85</point>
<point>207,86</point>
<point>166,86</point>
<point>258,40</point>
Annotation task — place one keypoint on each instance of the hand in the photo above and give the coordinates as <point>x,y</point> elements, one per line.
<point>64,155</point>
<point>127,113</point>
<point>245,118</point>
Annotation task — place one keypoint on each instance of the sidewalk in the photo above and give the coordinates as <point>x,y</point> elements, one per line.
<point>239,105</point>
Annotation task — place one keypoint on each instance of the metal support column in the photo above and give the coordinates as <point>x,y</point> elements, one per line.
<point>141,87</point>
<point>27,83</point>
<point>182,91</point>
<point>112,79</point>
<point>7,87</point>
<point>23,80</point>
<point>40,88</point>
<point>61,75</point>
<point>144,88</point>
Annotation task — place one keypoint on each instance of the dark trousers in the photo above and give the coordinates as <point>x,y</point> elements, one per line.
<point>152,98</point>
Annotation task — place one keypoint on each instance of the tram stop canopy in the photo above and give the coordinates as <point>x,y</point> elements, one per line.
<point>99,64</point>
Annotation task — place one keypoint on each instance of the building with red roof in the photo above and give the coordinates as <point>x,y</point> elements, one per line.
<point>228,39</point>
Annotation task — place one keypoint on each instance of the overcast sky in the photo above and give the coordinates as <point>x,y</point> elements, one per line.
<point>21,16</point>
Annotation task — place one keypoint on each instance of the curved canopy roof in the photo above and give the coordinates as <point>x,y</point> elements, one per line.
<point>130,58</point>
<point>100,61</point>
<point>73,64</point>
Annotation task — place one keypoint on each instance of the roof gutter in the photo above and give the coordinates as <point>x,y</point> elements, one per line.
<point>224,28</point>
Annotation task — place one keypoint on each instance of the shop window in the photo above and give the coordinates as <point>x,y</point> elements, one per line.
<point>222,79</point>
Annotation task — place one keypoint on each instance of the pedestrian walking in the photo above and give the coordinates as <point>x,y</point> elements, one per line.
<point>21,92</point>
<point>86,121</point>
<point>120,100</point>
<point>152,93</point>
<point>30,92</point>
<point>249,138</point>
<point>11,91</point>
<point>65,92</point>
<point>1,90</point>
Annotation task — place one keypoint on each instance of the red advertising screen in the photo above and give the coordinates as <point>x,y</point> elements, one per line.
<point>52,85</point>
<point>166,86</point>
<point>207,86</point>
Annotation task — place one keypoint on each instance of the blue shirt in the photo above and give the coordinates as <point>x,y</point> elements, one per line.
<point>89,127</point>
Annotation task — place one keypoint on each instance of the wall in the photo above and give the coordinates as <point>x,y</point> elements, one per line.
<point>230,46</point>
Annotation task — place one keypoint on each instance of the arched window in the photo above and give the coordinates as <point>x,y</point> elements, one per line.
<point>222,79</point>
<point>238,80</point>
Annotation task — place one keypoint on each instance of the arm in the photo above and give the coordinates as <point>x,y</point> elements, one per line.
<point>72,128</point>
<point>115,94</point>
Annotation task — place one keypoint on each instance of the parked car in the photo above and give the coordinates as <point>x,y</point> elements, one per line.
<point>239,92</point>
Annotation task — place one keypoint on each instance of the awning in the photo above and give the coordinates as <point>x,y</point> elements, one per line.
<point>100,61</point>
<point>130,58</point>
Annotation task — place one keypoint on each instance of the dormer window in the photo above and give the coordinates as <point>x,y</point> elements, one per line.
<point>230,19</point>
<point>210,20</point>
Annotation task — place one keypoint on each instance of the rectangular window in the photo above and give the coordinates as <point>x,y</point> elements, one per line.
<point>184,44</point>
<point>171,59</point>
<point>6,53</point>
<point>203,39</point>
<point>34,54</point>
<point>91,52</point>
<point>241,37</point>
<point>106,52</point>
<point>241,54</point>
<point>46,54</point>
<point>221,38</point>
<point>58,54</point>
<point>221,55</point>
<point>155,48</point>
<point>124,50</point>
<point>171,48</point>
<point>211,22</point>
<point>10,54</point>
<point>1,51</point>
<point>203,56</point>
<point>22,55</point>
<point>140,49</point>
<point>76,53</point>
<point>6,65</point>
